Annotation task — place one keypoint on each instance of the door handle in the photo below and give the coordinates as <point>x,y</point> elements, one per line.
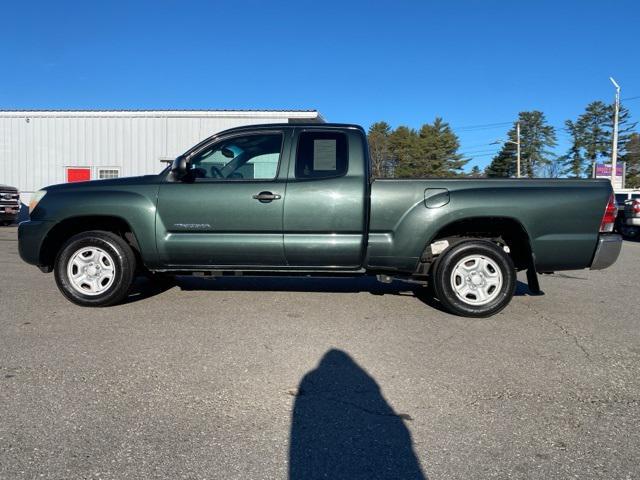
<point>266,197</point>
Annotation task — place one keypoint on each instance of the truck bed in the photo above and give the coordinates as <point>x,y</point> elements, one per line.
<point>561,217</point>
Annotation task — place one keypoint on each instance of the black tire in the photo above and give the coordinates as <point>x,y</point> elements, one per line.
<point>124,267</point>
<point>630,233</point>
<point>497,298</point>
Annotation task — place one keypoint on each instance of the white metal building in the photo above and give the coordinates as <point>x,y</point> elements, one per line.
<point>40,148</point>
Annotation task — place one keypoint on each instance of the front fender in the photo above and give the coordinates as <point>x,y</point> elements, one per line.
<point>136,208</point>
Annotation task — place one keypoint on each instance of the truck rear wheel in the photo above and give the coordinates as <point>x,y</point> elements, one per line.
<point>474,278</point>
<point>95,269</point>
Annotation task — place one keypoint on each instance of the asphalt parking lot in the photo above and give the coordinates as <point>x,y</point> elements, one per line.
<point>315,378</point>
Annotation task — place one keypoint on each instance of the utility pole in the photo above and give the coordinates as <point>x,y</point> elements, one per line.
<point>614,147</point>
<point>517,144</point>
<point>518,149</point>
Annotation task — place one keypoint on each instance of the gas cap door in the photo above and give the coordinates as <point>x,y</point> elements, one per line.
<point>436,197</point>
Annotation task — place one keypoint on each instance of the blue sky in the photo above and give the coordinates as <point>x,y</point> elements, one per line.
<point>405,62</point>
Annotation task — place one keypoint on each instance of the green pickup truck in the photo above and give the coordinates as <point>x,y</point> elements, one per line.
<point>297,199</point>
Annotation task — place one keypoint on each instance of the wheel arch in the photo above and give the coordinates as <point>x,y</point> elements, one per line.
<point>502,229</point>
<point>67,228</point>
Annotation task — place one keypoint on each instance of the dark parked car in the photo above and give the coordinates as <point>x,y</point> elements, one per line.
<point>630,222</point>
<point>9,204</point>
<point>294,199</point>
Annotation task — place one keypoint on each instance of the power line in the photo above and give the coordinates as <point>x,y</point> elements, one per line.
<point>561,130</point>
<point>485,126</point>
<point>489,126</point>
<point>481,155</point>
<point>476,152</point>
<point>481,144</point>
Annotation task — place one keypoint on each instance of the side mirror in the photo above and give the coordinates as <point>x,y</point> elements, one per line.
<point>227,152</point>
<point>179,167</point>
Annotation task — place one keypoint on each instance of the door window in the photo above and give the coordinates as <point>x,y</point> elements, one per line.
<point>250,157</point>
<point>321,155</point>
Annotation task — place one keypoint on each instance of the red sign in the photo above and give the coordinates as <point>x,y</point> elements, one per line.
<point>78,174</point>
<point>604,170</point>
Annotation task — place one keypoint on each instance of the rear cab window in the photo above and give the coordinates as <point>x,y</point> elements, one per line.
<point>321,155</point>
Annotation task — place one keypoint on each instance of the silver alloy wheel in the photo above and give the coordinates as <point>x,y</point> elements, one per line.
<point>476,280</point>
<point>91,271</point>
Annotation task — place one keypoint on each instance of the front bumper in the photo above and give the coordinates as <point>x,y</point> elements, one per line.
<point>31,237</point>
<point>607,251</point>
<point>9,212</point>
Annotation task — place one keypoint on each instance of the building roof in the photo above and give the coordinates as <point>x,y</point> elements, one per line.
<point>298,114</point>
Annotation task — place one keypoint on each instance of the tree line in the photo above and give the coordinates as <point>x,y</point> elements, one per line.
<point>433,149</point>
<point>405,152</point>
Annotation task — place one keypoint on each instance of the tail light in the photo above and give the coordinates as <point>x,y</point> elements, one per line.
<point>636,206</point>
<point>609,217</point>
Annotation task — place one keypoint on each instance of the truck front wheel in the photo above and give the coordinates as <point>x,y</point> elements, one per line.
<point>475,278</point>
<point>95,269</point>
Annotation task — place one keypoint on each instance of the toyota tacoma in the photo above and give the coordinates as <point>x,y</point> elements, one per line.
<point>296,199</point>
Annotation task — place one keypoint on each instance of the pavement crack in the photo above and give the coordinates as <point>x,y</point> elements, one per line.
<point>564,331</point>
<point>574,337</point>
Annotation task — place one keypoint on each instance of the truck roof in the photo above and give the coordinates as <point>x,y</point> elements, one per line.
<point>275,126</point>
<point>280,126</point>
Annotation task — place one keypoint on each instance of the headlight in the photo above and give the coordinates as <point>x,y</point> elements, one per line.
<point>35,199</point>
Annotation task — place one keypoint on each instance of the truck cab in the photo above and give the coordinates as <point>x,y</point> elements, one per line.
<point>269,197</point>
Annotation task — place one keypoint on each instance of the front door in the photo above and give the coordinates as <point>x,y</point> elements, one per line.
<point>228,210</point>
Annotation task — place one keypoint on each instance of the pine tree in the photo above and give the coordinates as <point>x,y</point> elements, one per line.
<point>626,128</point>
<point>439,149</point>
<point>403,142</point>
<point>431,151</point>
<point>573,162</point>
<point>379,149</point>
<point>592,137</point>
<point>475,172</point>
<point>594,133</point>
<point>536,140</point>
<point>632,158</point>
<point>504,163</point>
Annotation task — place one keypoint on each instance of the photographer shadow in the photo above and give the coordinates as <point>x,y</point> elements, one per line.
<point>343,428</point>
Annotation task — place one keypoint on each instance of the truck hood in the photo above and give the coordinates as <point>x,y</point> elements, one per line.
<point>113,182</point>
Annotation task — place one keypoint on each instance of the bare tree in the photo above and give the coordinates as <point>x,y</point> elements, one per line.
<point>379,148</point>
